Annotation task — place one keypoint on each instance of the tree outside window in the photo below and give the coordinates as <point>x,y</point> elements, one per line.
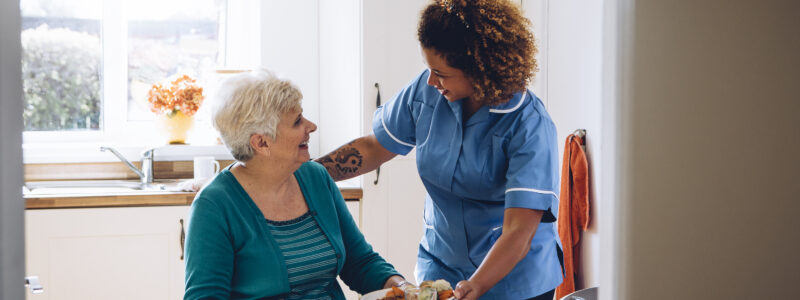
<point>61,63</point>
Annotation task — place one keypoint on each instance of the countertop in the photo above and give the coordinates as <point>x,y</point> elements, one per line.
<point>71,174</point>
<point>141,198</point>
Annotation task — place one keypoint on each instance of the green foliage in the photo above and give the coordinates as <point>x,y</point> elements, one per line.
<point>61,79</point>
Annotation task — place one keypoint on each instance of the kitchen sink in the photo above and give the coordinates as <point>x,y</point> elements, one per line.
<point>94,187</point>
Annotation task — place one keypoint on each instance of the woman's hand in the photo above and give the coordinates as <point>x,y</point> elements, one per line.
<point>468,290</point>
<point>192,185</point>
<point>395,280</point>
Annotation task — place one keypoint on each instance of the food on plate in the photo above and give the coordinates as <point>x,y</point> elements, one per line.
<point>427,290</point>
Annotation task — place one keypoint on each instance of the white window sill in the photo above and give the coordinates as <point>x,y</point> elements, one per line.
<point>130,141</point>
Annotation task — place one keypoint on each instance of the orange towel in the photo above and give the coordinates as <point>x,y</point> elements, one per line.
<point>573,209</point>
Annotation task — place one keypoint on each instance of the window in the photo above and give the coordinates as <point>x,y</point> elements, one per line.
<point>136,42</point>
<point>181,37</point>
<point>61,65</point>
<point>88,64</point>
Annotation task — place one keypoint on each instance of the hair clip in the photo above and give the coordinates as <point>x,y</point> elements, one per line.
<point>450,7</point>
<point>447,5</point>
<point>461,17</point>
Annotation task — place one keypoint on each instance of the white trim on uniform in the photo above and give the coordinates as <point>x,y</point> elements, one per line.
<point>503,111</point>
<point>383,122</point>
<point>531,190</point>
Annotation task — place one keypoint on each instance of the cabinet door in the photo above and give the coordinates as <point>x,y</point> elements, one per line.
<point>106,253</point>
<point>391,58</point>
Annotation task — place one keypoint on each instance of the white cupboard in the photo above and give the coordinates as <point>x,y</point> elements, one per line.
<point>112,253</point>
<point>106,253</point>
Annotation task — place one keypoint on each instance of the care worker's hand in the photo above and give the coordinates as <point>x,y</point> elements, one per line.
<point>468,290</point>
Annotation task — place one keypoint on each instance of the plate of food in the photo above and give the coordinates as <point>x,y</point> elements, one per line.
<point>427,290</point>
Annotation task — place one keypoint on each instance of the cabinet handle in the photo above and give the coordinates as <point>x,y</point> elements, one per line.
<point>32,282</point>
<point>183,237</point>
<point>377,104</point>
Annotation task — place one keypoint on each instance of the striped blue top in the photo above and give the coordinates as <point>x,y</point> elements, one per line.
<point>310,259</point>
<point>231,254</point>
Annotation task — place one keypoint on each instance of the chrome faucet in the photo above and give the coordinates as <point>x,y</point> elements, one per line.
<point>146,173</point>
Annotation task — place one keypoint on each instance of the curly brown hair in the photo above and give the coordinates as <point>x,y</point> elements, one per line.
<point>489,40</point>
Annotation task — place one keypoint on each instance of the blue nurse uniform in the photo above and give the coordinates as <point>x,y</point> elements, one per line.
<point>503,156</point>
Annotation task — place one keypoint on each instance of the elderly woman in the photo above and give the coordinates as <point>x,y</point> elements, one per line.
<point>274,224</point>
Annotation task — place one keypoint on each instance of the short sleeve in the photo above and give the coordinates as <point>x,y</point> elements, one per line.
<point>394,123</point>
<point>532,176</point>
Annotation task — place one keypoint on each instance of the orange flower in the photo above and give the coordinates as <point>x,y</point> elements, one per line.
<point>183,95</point>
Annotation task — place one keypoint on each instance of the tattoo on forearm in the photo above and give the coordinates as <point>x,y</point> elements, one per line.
<point>342,163</point>
<point>328,163</point>
<point>348,160</point>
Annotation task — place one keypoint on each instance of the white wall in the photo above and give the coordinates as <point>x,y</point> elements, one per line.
<point>12,250</point>
<point>290,46</point>
<point>339,73</point>
<point>316,44</point>
<point>538,12</point>
<point>574,86</point>
<point>569,37</point>
<point>241,15</point>
<point>615,33</point>
<point>708,150</point>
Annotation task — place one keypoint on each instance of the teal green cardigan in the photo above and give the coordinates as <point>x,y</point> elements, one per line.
<point>230,253</point>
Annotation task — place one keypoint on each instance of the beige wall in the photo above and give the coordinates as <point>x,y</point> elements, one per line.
<point>710,138</point>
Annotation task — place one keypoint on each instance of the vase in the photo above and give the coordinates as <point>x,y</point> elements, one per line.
<point>176,126</point>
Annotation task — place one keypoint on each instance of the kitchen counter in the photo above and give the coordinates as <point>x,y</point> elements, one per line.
<point>141,198</point>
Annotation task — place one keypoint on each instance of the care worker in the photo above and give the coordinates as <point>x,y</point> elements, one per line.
<point>486,153</point>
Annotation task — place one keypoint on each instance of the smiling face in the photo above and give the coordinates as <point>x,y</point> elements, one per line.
<point>291,141</point>
<point>450,82</point>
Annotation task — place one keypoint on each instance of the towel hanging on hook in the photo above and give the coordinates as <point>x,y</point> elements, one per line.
<point>573,209</point>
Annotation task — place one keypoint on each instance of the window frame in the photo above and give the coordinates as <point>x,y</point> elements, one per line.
<point>240,47</point>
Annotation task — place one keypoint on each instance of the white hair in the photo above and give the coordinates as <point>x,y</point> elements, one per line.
<point>251,103</point>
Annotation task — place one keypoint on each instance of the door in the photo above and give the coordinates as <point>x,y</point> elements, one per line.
<point>12,248</point>
<point>394,199</point>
